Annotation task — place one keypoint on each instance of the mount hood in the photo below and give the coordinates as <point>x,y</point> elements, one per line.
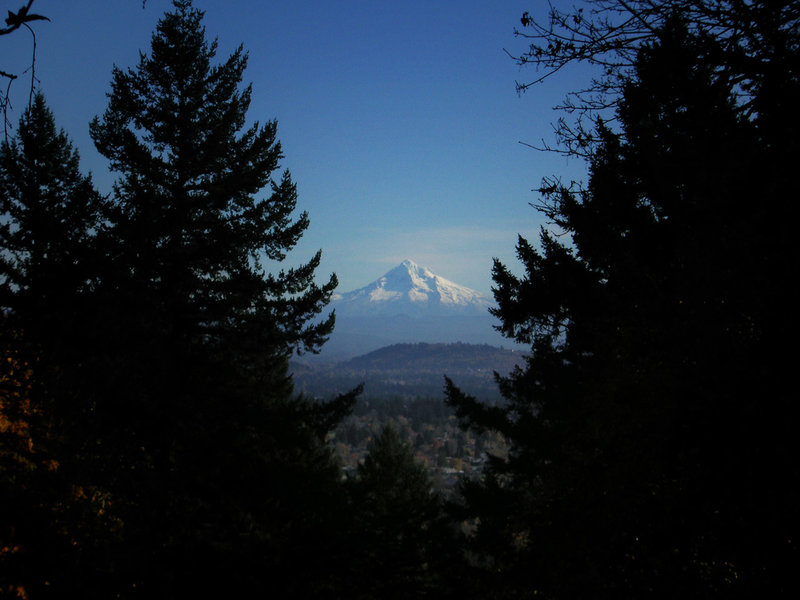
<point>414,291</point>
<point>409,304</point>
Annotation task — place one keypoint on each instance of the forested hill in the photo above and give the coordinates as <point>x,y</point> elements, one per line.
<point>412,370</point>
<point>438,357</point>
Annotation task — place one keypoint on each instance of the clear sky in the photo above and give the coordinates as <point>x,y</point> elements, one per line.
<point>399,120</point>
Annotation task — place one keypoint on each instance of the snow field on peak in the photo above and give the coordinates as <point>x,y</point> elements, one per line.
<point>410,285</point>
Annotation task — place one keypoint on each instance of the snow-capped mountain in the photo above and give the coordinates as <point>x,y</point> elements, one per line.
<point>411,290</point>
<point>409,304</point>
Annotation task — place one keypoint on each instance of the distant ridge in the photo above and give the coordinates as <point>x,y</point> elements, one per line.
<point>458,358</point>
<point>411,371</point>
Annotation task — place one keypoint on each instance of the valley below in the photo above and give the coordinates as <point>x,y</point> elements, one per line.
<point>400,336</point>
<point>404,388</point>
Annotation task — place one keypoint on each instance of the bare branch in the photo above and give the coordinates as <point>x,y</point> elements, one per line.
<point>14,21</point>
<point>607,34</point>
<point>32,68</point>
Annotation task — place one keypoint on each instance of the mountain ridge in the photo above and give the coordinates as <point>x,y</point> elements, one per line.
<point>414,370</point>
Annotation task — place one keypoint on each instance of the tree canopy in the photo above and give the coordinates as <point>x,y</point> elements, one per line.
<point>747,40</point>
<point>157,325</point>
<point>49,214</point>
<point>398,534</point>
<point>650,427</point>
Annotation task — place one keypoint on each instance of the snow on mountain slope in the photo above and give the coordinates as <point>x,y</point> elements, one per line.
<point>409,304</point>
<point>411,290</point>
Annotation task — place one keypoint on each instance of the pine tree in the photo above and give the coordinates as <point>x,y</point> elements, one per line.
<point>217,469</point>
<point>399,537</point>
<point>649,428</point>
<point>50,213</point>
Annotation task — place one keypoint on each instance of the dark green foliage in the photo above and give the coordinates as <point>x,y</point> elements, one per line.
<point>175,130</point>
<point>392,484</point>
<point>49,213</point>
<point>649,431</point>
<point>155,446</point>
<point>399,538</point>
<point>750,44</point>
<point>217,468</point>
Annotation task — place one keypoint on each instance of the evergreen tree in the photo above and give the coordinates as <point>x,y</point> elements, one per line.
<point>750,40</point>
<point>49,214</point>
<point>399,536</point>
<point>216,468</point>
<point>649,429</point>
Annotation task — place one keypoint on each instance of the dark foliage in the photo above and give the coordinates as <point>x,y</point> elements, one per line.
<point>401,539</point>
<point>651,427</point>
<point>148,345</point>
<point>607,34</point>
<point>49,213</point>
<point>225,464</point>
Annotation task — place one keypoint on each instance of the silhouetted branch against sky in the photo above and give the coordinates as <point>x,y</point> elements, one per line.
<point>14,21</point>
<point>605,35</point>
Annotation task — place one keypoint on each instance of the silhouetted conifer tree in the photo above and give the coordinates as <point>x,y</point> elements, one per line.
<point>399,540</point>
<point>750,40</point>
<point>221,477</point>
<point>49,215</point>
<point>648,431</point>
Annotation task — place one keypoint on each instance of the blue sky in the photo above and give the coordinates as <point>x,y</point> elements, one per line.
<point>399,120</point>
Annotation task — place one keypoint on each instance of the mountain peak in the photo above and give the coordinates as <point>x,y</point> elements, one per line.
<point>411,289</point>
<point>412,266</point>
<point>410,304</point>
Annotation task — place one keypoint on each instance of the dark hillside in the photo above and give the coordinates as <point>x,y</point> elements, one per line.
<point>437,357</point>
<point>411,370</point>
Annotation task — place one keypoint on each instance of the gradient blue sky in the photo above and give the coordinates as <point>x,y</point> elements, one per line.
<point>399,120</point>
